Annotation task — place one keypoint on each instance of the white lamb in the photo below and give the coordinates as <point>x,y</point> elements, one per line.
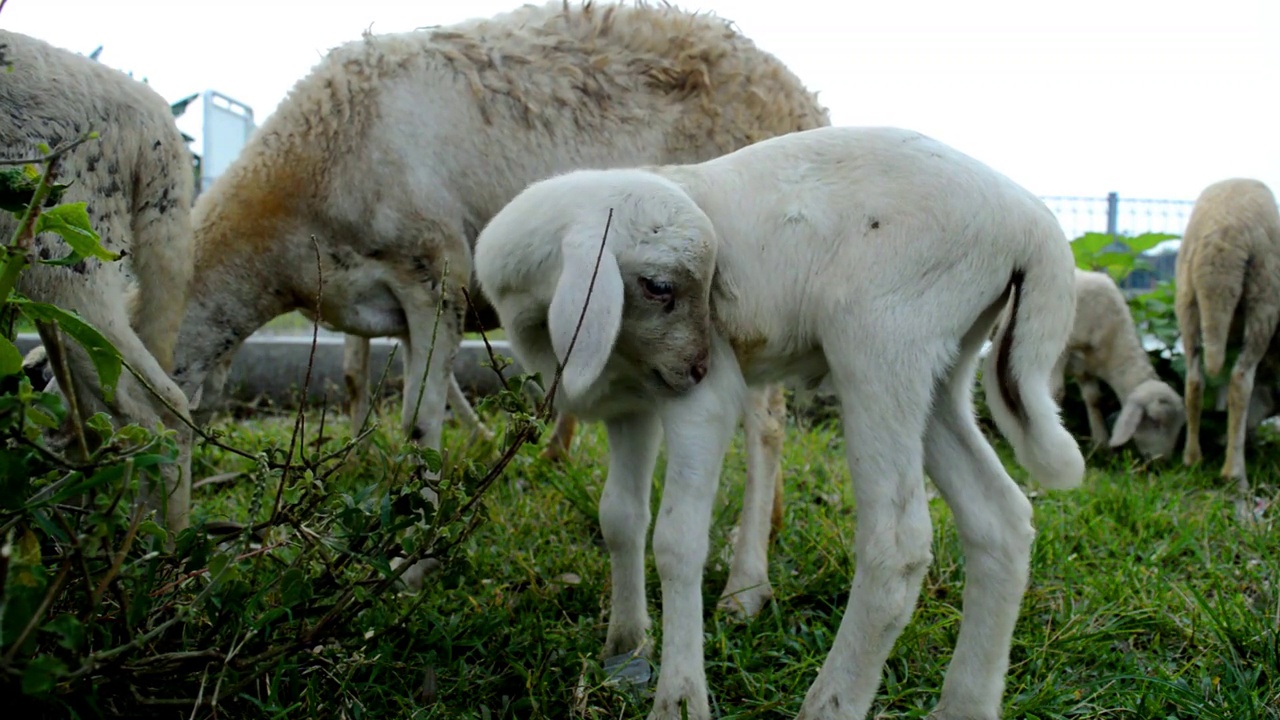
<point>1228,292</point>
<point>1104,345</point>
<point>137,182</point>
<point>395,150</point>
<point>879,257</point>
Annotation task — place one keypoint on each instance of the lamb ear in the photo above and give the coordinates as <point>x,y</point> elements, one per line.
<point>1126,424</point>
<point>603,317</point>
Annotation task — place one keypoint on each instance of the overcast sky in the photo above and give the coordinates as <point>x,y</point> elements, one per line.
<point>1144,97</point>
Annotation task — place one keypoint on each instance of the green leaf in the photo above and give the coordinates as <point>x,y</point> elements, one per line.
<point>149,527</point>
<point>1146,241</point>
<point>18,188</point>
<point>71,222</point>
<point>432,458</point>
<point>69,630</point>
<point>42,674</point>
<point>106,358</point>
<point>10,358</point>
<point>1092,243</point>
<point>294,588</point>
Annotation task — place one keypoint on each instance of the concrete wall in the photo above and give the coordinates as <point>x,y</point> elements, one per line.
<point>273,367</point>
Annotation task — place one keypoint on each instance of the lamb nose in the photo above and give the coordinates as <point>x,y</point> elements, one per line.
<point>699,369</point>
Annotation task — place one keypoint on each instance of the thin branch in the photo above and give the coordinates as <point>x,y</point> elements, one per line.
<point>57,354</point>
<point>56,153</point>
<point>555,383</point>
<point>54,588</point>
<point>306,383</point>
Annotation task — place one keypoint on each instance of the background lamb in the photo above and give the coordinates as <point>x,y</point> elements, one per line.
<point>137,181</point>
<point>878,257</point>
<point>1104,345</point>
<point>1228,292</point>
<point>396,149</point>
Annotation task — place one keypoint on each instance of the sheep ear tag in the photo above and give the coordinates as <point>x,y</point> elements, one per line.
<point>597,329</point>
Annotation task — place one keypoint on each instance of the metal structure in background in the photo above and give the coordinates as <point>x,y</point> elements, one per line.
<point>228,124</point>
<point>1127,217</point>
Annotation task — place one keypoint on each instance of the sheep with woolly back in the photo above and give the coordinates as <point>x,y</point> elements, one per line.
<point>396,149</point>
<point>875,257</point>
<point>136,181</point>
<point>1228,293</point>
<point>1104,346</point>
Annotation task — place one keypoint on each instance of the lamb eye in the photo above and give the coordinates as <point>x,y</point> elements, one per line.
<point>657,289</point>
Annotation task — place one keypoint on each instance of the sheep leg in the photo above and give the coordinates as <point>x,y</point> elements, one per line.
<point>748,588</point>
<point>1239,393</point>
<point>885,403</point>
<point>1193,389</point>
<point>698,427</point>
<point>624,521</point>
<point>1261,316</point>
<point>427,369</point>
<point>557,448</point>
<point>134,403</point>
<point>1092,394</point>
<point>210,395</point>
<point>463,409</point>
<point>355,375</point>
<point>993,517</point>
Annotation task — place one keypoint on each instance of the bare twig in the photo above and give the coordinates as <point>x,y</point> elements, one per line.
<point>299,420</point>
<point>45,603</point>
<point>426,368</point>
<point>56,153</point>
<point>555,383</point>
<point>197,573</point>
<point>57,354</point>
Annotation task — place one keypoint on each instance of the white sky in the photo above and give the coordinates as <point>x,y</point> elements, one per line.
<point>1149,98</point>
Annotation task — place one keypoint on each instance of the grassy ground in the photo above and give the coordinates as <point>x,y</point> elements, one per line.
<point>1148,599</point>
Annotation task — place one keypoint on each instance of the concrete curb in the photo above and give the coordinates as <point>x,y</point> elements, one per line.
<point>273,367</point>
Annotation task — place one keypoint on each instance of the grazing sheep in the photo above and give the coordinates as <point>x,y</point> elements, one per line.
<point>379,168</point>
<point>397,148</point>
<point>1104,345</point>
<point>876,257</point>
<point>137,182</point>
<point>1228,292</point>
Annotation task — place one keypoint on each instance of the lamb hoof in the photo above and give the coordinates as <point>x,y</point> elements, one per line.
<point>680,704</point>
<point>554,453</point>
<point>746,604</point>
<point>411,580</point>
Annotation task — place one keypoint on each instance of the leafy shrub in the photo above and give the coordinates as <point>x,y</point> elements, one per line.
<point>105,613</point>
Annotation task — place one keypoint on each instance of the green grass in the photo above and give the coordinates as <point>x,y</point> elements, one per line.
<point>1148,599</point>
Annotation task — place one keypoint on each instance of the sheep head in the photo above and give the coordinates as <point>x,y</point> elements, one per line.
<point>1152,416</point>
<point>647,321</point>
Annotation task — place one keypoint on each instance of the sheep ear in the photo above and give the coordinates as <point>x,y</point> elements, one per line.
<point>603,318</point>
<point>1126,424</point>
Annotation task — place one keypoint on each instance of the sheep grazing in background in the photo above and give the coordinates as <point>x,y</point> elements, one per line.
<point>876,257</point>
<point>380,167</point>
<point>1228,293</point>
<point>137,182</point>
<point>1104,345</point>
